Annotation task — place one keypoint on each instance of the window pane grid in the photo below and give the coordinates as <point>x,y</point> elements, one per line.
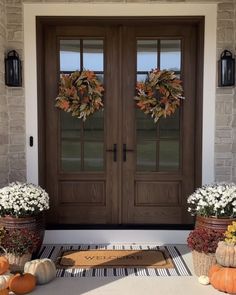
<point>82,149</point>
<point>164,144</point>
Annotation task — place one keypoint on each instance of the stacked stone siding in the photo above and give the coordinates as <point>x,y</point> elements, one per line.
<point>12,102</point>
<point>15,96</point>
<point>224,137</point>
<point>4,114</point>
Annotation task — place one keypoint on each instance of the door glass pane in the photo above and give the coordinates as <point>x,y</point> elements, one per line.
<point>93,127</point>
<point>146,55</point>
<point>69,55</point>
<point>100,78</point>
<point>93,156</point>
<point>82,142</point>
<point>141,77</point>
<point>158,144</point>
<point>146,156</point>
<point>169,127</point>
<point>168,155</point>
<point>70,126</point>
<point>170,56</point>
<point>93,55</point>
<point>146,128</point>
<point>70,142</point>
<point>70,155</point>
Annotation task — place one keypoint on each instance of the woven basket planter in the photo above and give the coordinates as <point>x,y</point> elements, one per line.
<point>202,262</point>
<point>17,263</point>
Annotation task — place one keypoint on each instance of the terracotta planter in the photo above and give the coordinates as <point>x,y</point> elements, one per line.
<point>34,223</point>
<point>219,224</point>
<point>202,262</point>
<point>17,263</point>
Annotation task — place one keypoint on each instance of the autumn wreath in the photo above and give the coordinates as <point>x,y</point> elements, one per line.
<point>80,93</point>
<point>160,94</point>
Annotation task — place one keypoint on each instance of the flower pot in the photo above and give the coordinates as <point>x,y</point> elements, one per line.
<point>202,262</point>
<point>34,223</point>
<point>219,224</point>
<point>17,263</point>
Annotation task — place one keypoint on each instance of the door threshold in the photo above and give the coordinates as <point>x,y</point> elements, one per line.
<point>120,226</point>
<point>101,236</point>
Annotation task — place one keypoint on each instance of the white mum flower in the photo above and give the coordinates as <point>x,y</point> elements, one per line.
<point>218,199</point>
<point>22,199</point>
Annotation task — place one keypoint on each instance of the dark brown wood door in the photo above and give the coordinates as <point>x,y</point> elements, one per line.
<point>119,167</point>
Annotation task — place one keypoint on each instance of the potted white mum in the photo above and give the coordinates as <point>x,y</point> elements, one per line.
<point>22,206</point>
<point>23,200</point>
<point>214,205</point>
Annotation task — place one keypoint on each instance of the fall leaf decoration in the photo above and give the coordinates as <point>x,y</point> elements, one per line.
<point>80,93</point>
<point>160,94</point>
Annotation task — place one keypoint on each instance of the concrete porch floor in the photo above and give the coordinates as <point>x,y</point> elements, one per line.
<point>130,285</point>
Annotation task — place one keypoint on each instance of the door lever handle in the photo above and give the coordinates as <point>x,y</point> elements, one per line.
<point>125,150</point>
<point>114,151</point>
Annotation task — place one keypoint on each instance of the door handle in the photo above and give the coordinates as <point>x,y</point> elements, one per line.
<point>125,150</point>
<point>114,151</point>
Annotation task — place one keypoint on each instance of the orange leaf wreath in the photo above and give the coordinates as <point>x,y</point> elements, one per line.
<point>80,93</point>
<point>160,95</point>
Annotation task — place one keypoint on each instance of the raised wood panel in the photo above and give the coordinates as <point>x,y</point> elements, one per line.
<point>160,215</point>
<point>157,193</point>
<point>83,214</point>
<point>91,193</point>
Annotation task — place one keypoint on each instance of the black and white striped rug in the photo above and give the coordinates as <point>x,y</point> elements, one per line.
<point>180,266</point>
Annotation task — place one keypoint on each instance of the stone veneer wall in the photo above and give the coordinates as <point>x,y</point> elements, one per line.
<point>12,104</point>
<point>224,136</point>
<point>4,126</point>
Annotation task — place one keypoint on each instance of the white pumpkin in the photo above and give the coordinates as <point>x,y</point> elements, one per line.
<point>204,280</point>
<point>44,270</point>
<point>4,279</point>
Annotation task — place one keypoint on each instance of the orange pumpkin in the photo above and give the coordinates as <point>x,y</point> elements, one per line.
<point>4,292</point>
<point>213,269</point>
<point>4,264</point>
<point>22,283</point>
<point>223,278</point>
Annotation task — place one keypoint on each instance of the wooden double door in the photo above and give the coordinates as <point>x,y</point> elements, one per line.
<point>119,167</point>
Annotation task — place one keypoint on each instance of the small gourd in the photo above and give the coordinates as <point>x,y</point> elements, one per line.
<point>226,254</point>
<point>204,280</point>
<point>43,269</point>
<point>223,278</point>
<point>22,283</point>
<point>4,264</point>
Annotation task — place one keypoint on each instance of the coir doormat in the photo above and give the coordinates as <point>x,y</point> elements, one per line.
<point>115,260</point>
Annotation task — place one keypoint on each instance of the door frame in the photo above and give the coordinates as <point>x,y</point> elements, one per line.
<point>209,11</point>
<point>42,23</point>
<point>31,11</point>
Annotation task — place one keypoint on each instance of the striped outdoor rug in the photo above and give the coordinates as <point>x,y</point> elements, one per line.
<point>180,267</point>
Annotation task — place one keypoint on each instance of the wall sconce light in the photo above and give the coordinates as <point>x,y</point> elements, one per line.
<point>13,75</point>
<point>226,69</point>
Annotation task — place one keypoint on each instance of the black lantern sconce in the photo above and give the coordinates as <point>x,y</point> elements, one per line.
<point>13,75</point>
<point>226,69</point>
